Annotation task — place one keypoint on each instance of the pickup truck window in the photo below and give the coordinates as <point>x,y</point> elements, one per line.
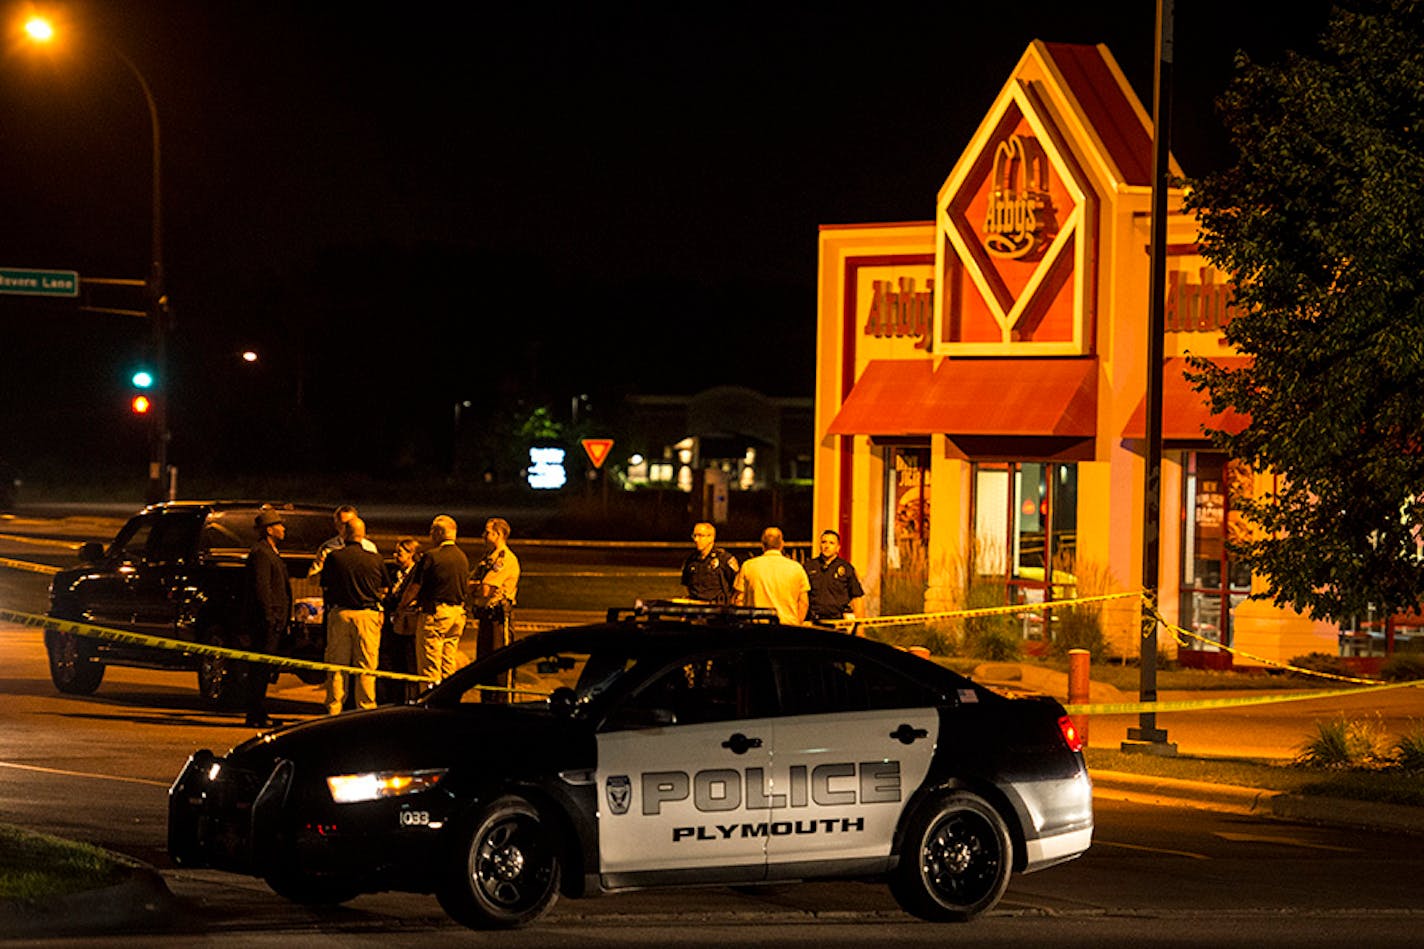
<point>171,539</point>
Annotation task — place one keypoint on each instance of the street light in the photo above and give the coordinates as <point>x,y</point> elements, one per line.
<point>41,30</point>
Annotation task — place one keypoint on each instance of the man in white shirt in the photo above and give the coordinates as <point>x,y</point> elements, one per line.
<point>773,580</point>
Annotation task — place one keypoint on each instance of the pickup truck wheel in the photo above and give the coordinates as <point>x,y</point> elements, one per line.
<point>956,859</point>
<point>221,681</point>
<point>72,666</point>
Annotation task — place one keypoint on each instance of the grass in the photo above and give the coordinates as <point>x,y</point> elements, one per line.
<point>1379,785</point>
<point>1127,678</point>
<point>36,866</point>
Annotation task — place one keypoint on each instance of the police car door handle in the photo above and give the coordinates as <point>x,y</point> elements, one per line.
<point>907,735</point>
<point>739,743</point>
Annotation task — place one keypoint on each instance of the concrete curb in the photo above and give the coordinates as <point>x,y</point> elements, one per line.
<point>1233,799</point>
<point>141,903</point>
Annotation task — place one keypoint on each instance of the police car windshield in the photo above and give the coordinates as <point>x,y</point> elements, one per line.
<point>530,677</point>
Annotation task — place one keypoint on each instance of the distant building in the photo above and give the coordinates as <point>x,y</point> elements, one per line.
<point>750,440</point>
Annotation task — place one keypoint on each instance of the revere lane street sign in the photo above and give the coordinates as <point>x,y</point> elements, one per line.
<point>39,283</point>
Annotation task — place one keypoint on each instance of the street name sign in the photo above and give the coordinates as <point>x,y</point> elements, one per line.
<point>39,283</point>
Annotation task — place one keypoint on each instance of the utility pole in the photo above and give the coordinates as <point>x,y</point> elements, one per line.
<point>1147,736</point>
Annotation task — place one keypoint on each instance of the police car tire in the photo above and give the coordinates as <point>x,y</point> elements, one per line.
<point>505,870</point>
<point>956,860</point>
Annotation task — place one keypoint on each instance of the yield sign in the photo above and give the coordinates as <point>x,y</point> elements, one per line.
<point>597,449</point>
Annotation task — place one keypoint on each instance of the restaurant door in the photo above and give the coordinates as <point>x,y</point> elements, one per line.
<point>905,541</point>
<point>1212,583</point>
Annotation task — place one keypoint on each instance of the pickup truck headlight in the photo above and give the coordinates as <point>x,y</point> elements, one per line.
<point>372,785</point>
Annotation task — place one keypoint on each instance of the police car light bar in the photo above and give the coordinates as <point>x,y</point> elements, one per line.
<point>692,609</point>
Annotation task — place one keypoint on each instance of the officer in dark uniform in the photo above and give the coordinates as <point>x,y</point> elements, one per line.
<point>268,590</point>
<point>709,571</point>
<point>835,589</point>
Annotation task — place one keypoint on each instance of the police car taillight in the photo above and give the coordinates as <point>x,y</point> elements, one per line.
<point>1071,736</point>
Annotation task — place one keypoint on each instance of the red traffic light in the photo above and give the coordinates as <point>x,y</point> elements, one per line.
<point>140,405</point>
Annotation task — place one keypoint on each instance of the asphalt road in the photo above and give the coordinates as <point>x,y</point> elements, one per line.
<point>97,769</point>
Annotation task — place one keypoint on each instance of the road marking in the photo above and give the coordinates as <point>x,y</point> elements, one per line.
<point>1170,853</point>
<point>83,774</point>
<point>40,541</point>
<point>1286,841</point>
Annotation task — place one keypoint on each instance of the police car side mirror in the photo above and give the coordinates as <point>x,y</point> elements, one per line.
<point>91,552</point>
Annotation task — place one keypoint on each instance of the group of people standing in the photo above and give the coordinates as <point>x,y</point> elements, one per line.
<point>824,588</point>
<point>417,607</point>
<point>415,610</point>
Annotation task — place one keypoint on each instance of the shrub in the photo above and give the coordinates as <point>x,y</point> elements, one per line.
<point>933,636</point>
<point>1341,743</point>
<point>994,637</point>
<point>1403,667</point>
<point>1079,627</point>
<point>902,589</point>
<point>1321,662</point>
<point>1408,752</point>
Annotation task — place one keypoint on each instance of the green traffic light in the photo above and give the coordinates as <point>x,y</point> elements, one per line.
<point>143,379</point>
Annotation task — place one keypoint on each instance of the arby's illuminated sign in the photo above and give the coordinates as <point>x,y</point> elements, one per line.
<point>898,309</point>
<point>1018,223</point>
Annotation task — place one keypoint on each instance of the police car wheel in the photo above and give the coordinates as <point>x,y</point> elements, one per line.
<point>956,861</point>
<point>507,869</point>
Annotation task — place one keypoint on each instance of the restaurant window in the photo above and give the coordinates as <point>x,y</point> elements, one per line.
<point>1026,532</point>
<point>907,530</point>
<point>1212,583</point>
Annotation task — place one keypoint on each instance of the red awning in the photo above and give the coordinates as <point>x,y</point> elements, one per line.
<point>1015,397</point>
<point>1185,411</point>
<point>886,399</point>
<point>973,397</point>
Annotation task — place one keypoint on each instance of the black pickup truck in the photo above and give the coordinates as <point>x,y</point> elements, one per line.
<point>175,571</point>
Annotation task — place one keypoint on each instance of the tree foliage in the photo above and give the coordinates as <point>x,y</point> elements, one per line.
<point>1321,220</point>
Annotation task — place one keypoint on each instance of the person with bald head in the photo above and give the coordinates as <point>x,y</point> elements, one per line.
<point>440,578</point>
<point>774,580</point>
<point>353,580</point>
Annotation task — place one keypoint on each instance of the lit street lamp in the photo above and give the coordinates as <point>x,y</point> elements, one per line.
<point>41,30</point>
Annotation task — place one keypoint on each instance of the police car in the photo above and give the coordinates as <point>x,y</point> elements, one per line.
<point>671,745</point>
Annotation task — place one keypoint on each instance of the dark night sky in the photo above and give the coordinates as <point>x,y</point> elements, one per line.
<point>502,206</point>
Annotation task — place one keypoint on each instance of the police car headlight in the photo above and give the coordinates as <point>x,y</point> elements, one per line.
<point>373,785</point>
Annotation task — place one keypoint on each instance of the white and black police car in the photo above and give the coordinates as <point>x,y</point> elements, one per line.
<point>669,746</point>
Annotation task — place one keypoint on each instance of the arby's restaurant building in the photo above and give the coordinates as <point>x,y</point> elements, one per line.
<point>981,376</point>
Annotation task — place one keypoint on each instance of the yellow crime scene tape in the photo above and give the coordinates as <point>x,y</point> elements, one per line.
<point>1194,705</point>
<point>72,627</point>
<point>1131,708</point>
<point>1118,708</point>
<point>907,619</point>
<point>29,567</point>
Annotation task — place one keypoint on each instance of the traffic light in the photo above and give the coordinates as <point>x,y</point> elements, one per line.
<point>141,403</point>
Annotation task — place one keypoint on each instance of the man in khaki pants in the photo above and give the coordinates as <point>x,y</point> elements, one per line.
<point>440,577</point>
<point>353,580</point>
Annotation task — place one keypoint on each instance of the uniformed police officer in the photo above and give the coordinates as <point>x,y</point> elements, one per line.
<point>835,589</point>
<point>709,571</point>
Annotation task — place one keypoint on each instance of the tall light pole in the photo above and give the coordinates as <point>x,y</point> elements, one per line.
<point>1147,736</point>
<point>41,30</point>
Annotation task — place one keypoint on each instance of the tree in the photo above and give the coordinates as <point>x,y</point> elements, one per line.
<point>1321,220</point>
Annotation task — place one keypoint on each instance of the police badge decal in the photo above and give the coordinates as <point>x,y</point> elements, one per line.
<point>620,792</point>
